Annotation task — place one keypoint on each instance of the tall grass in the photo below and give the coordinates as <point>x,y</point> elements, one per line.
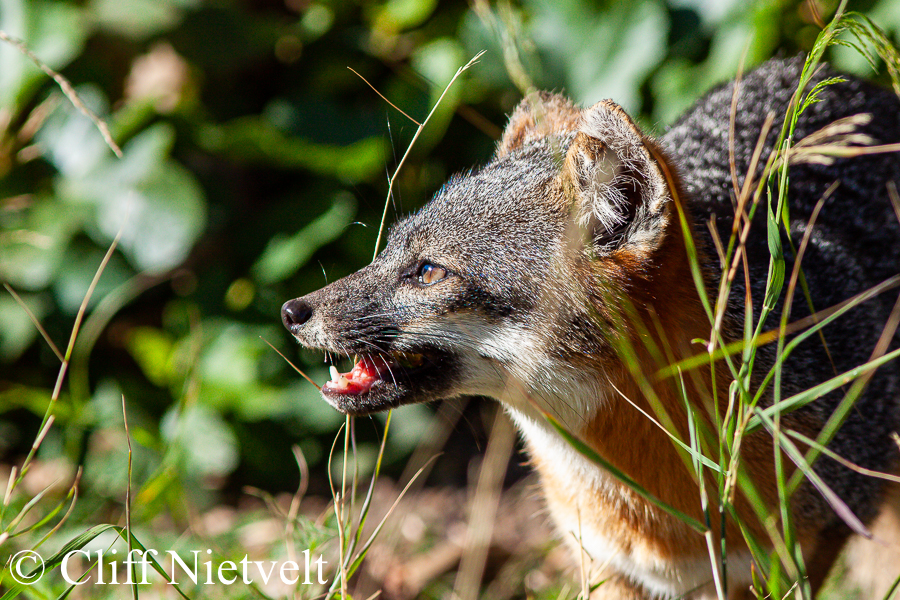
<point>712,450</point>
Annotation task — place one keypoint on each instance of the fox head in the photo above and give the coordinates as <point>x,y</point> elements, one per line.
<point>509,282</point>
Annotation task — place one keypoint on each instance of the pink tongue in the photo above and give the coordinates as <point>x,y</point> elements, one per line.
<point>359,380</point>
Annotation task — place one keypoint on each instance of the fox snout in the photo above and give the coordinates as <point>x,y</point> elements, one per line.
<point>394,363</point>
<point>294,313</point>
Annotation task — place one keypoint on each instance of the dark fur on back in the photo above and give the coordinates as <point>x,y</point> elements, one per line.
<point>855,245</point>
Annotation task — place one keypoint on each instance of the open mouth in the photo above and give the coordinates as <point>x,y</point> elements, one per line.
<point>371,370</point>
<point>389,379</point>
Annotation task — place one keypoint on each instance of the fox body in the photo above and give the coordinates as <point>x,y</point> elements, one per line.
<point>555,279</point>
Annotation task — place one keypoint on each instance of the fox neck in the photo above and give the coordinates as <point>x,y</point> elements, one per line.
<point>612,412</point>
<point>596,512</point>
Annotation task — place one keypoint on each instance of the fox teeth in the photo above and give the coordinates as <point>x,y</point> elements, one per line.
<point>335,374</point>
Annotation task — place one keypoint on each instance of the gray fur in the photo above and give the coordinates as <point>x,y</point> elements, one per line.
<point>855,245</point>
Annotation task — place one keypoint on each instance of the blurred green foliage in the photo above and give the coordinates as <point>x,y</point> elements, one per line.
<point>254,170</point>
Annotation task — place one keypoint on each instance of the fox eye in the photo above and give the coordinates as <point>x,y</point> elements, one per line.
<point>429,273</point>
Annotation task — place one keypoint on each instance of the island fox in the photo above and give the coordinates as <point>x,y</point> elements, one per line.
<point>557,280</point>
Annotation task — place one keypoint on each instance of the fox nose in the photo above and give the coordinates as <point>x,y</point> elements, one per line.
<point>295,313</point>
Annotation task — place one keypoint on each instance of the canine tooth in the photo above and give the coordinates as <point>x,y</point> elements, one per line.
<point>335,374</point>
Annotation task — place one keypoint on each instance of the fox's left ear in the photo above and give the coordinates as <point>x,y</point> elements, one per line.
<point>538,116</point>
<point>613,175</point>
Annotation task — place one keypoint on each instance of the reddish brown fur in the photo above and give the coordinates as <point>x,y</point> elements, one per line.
<point>660,288</point>
<point>541,115</point>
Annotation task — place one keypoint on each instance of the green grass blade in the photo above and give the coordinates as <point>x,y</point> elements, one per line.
<point>839,506</point>
<point>590,454</point>
<point>814,393</point>
<point>77,543</point>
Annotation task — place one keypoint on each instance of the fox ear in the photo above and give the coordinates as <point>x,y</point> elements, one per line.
<point>611,171</point>
<point>538,115</point>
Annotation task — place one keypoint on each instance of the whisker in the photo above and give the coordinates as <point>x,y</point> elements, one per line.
<point>388,367</point>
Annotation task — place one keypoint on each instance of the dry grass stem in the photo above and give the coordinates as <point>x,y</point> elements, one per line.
<point>894,197</point>
<point>382,96</point>
<point>67,89</point>
<point>717,241</point>
<point>293,366</point>
<point>740,215</point>
<point>412,143</point>
<point>732,116</point>
<point>73,493</point>
<point>35,322</point>
<point>484,508</point>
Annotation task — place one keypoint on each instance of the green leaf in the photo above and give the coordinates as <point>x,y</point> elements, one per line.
<point>54,31</point>
<point>137,19</point>
<point>397,15</point>
<point>775,278</point>
<point>32,251</point>
<point>437,62</point>
<point>203,442</point>
<point>152,349</point>
<point>155,202</point>
<point>283,256</point>
<point>69,140</point>
<point>72,283</point>
<point>256,140</point>
<point>307,404</point>
<point>230,359</point>
<point>17,332</point>
<point>597,46</point>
